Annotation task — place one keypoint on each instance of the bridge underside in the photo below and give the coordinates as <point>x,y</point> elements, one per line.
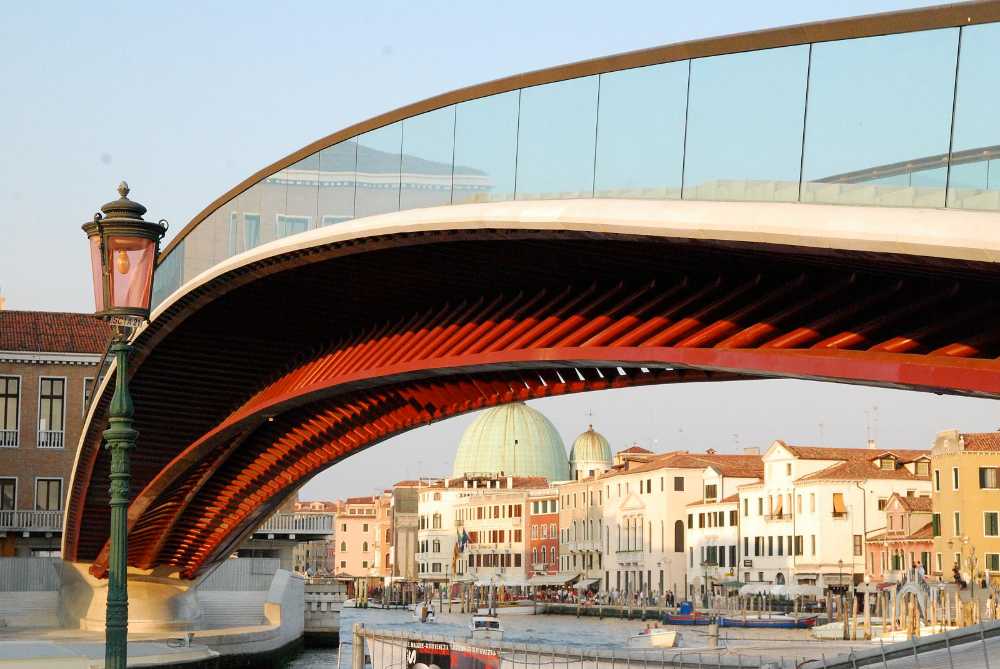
<point>253,382</point>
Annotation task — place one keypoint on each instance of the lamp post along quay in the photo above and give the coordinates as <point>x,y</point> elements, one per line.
<point>123,253</point>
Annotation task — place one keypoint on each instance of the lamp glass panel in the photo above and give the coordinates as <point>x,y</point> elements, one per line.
<point>130,263</point>
<point>97,269</point>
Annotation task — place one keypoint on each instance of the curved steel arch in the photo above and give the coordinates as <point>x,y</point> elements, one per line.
<point>282,361</point>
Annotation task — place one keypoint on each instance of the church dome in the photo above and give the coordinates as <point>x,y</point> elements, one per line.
<point>514,439</point>
<point>591,447</point>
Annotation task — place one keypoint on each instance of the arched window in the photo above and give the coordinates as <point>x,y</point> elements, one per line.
<point>779,579</point>
<point>388,536</point>
<point>534,556</point>
<point>436,521</point>
<point>544,560</point>
<point>343,546</point>
<point>679,536</point>
<point>364,547</point>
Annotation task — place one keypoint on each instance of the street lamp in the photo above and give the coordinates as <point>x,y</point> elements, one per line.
<point>123,252</point>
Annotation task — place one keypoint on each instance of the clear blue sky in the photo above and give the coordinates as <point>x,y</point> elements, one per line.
<point>186,99</point>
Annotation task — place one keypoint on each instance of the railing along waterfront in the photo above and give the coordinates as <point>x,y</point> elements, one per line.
<point>687,121</point>
<point>39,521</point>
<point>297,523</point>
<point>973,647</point>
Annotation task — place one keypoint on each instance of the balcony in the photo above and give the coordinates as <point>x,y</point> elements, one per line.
<point>50,439</point>
<point>839,514</point>
<point>30,521</point>
<point>778,516</point>
<point>297,523</point>
<point>8,438</point>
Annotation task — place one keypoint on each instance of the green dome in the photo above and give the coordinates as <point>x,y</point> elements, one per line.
<point>514,439</point>
<point>590,447</point>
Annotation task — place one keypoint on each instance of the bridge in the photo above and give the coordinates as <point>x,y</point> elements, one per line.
<point>753,206</point>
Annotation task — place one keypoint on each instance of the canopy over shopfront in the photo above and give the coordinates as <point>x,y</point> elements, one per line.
<point>585,583</point>
<point>549,579</point>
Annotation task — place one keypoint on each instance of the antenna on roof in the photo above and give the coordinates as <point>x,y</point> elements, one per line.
<point>821,433</point>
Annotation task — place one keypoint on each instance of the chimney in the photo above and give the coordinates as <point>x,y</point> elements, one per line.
<point>871,444</point>
<point>751,450</point>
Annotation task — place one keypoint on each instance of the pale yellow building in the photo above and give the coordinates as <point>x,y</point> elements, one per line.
<point>966,501</point>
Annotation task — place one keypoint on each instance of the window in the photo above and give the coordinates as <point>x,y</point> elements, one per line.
<point>51,400</point>
<point>812,502</point>
<point>436,544</point>
<point>923,468</point>
<point>364,547</point>
<point>839,510</point>
<point>8,494</point>
<point>690,521</point>
<point>936,524</point>
<point>48,494</point>
<point>798,504</point>
<point>887,464</point>
<point>858,548</point>
<point>364,564</point>
<point>746,506</point>
<point>251,230</point>
<point>812,544</point>
<point>993,562</point>
<point>679,484</point>
<point>10,405</point>
<point>436,521</point>
<point>733,518</point>
<point>937,480</point>
<point>343,527</point>
<point>231,236</point>
<point>954,478</point>
<point>760,506</point>
<point>679,537</point>
<point>285,225</point>
<point>990,523</point>
<point>958,524</point>
<point>364,527</point>
<point>939,563</point>
<point>988,478</point>
<point>788,469</point>
<point>343,564</point>
<point>88,390</point>
<point>711,492</point>
<point>882,501</point>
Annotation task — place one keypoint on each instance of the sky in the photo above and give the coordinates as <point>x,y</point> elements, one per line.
<point>185,100</point>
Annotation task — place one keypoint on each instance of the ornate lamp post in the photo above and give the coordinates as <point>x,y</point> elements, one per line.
<point>123,252</point>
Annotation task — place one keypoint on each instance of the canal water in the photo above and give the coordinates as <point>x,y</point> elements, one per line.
<point>551,630</point>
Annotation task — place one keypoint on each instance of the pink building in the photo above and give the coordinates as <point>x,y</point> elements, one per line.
<point>543,532</point>
<point>355,536</point>
<point>906,540</point>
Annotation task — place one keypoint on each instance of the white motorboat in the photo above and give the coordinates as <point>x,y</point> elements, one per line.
<point>486,627</point>
<point>653,637</point>
<point>424,613</point>
<point>350,603</point>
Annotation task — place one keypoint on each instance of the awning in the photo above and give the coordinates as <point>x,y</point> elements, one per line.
<point>502,580</point>
<point>804,591</point>
<point>586,583</point>
<point>777,507</point>
<point>548,579</point>
<point>755,588</point>
<point>838,503</point>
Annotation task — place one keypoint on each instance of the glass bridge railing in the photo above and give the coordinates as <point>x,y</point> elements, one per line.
<point>905,120</point>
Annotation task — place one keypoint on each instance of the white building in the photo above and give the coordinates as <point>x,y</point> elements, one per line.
<point>645,514</point>
<point>713,544</point>
<point>806,521</point>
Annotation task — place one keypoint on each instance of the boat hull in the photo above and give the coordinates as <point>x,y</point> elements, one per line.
<point>769,623</point>
<point>685,619</point>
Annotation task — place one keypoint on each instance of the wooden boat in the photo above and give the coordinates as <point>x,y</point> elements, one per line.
<point>774,622</point>
<point>655,637</point>
<point>692,618</point>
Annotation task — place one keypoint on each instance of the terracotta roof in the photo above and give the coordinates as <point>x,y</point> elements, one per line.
<point>406,484</point>
<point>52,332</point>
<point>981,441</point>
<point>732,499</point>
<point>914,503</point>
<point>859,470</point>
<point>360,500</point>
<point>924,533</point>
<point>866,454</point>
<point>635,449</point>
<point>740,466</point>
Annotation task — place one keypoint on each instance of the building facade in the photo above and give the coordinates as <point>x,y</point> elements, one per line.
<point>906,540</point>
<point>543,532</point>
<point>356,532</point>
<point>966,482</point>
<point>48,365</point>
<point>805,522</point>
<point>713,532</point>
<point>405,523</point>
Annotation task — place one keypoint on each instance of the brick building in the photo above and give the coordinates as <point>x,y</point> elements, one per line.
<point>48,363</point>
<point>543,532</point>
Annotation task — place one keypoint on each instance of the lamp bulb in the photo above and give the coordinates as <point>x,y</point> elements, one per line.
<point>121,262</point>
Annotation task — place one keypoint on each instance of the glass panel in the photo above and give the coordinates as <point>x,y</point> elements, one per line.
<point>744,137</point>
<point>167,277</point>
<point>640,132</point>
<point>555,142</point>
<point>485,149</point>
<point>879,118</point>
<point>975,160</point>
<point>301,183</point>
<point>336,182</point>
<point>428,141</point>
<point>201,243</point>
<point>378,171</point>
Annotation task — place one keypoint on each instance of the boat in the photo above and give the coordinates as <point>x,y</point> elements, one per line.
<point>486,627</point>
<point>686,615</point>
<point>653,637</point>
<point>686,618</point>
<point>773,622</point>
<point>350,603</point>
<point>424,613</point>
